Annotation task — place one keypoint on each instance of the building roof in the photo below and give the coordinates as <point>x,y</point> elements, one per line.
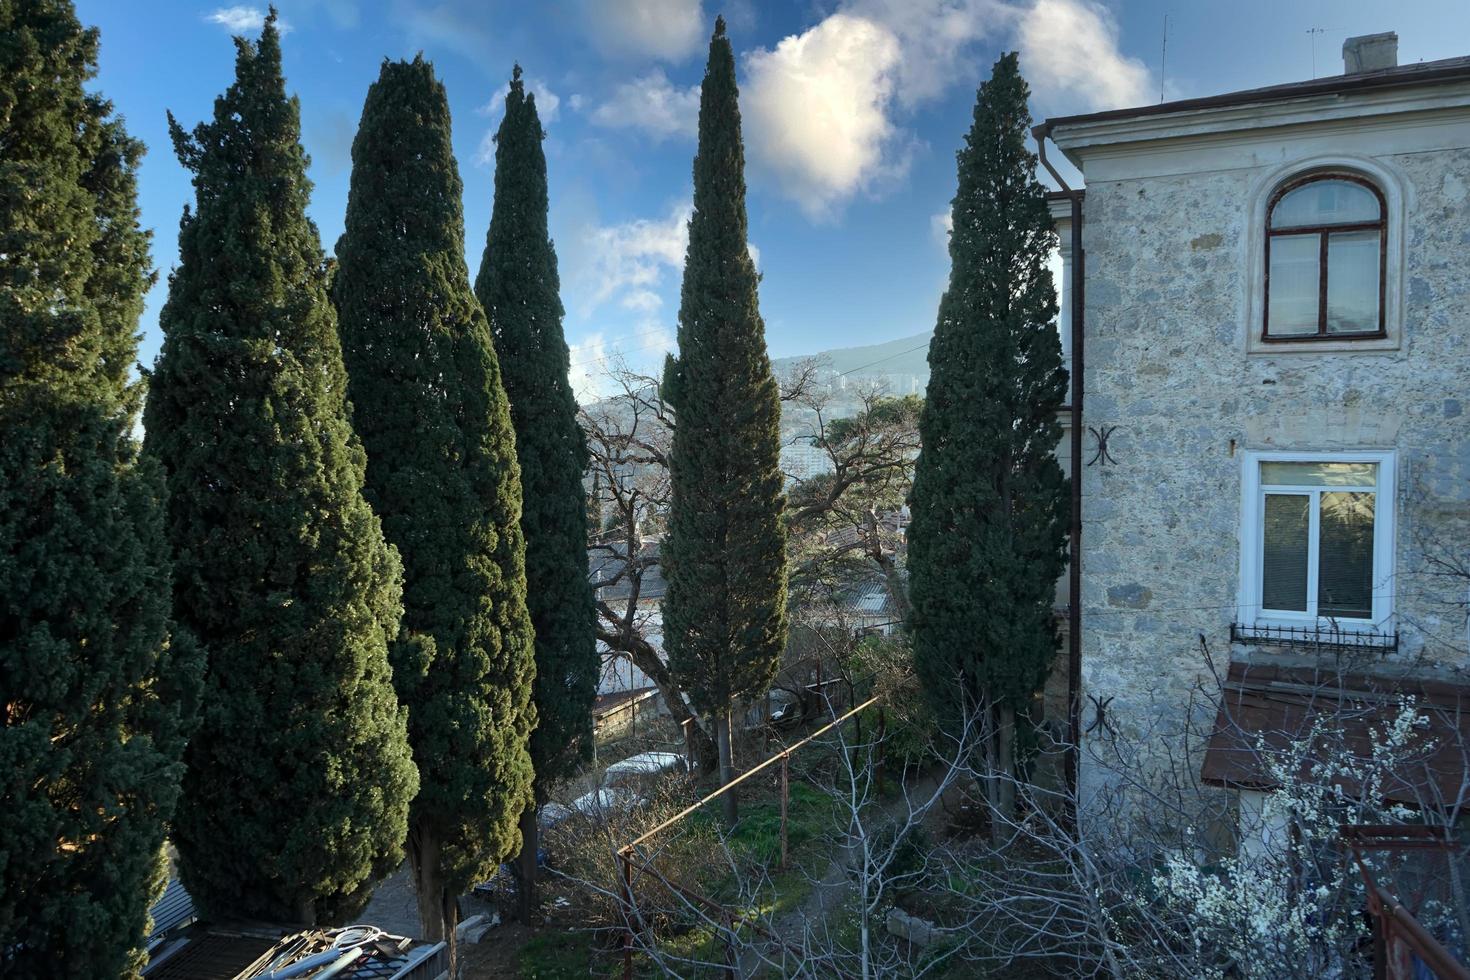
<point>1445,71</point>
<point>1268,707</point>
<point>606,564</point>
<point>612,701</point>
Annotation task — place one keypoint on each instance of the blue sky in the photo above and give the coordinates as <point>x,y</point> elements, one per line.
<point>852,111</point>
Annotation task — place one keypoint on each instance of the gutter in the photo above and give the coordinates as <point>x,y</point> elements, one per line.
<point>1074,565</point>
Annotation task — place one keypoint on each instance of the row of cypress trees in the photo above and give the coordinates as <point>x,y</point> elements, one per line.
<point>314,574</point>
<point>352,473</point>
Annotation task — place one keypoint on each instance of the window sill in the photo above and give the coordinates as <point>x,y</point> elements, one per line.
<point>1321,345</point>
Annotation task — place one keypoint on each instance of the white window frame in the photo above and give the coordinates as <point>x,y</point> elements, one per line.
<point>1252,531</point>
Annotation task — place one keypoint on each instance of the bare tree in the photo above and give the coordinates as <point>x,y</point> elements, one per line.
<point>845,521</point>
<point>628,437</point>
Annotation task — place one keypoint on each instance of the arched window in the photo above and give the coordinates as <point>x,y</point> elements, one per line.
<point>1326,260</point>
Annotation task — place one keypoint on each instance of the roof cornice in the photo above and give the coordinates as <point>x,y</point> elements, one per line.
<point>1325,101</point>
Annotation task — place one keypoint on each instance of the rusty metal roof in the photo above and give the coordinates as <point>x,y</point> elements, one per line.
<point>1268,707</point>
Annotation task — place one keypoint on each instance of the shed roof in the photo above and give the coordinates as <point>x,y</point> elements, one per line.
<point>1268,707</point>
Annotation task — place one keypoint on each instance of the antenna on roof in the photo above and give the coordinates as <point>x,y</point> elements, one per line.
<point>1313,32</point>
<point>1163,53</point>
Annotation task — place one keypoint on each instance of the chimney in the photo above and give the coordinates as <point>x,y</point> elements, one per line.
<point>1370,52</point>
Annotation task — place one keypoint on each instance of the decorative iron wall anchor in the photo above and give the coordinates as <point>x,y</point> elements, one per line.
<point>1100,722</point>
<point>1101,433</point>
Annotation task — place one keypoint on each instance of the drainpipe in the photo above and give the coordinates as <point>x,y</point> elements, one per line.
<point>1074,565</point>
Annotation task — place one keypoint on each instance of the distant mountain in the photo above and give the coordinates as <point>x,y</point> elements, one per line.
<point>904,356</point>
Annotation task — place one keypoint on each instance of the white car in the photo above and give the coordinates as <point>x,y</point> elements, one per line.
<point>629,783</point>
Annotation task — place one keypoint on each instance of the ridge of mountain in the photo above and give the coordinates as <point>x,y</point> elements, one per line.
<point>906,355</point>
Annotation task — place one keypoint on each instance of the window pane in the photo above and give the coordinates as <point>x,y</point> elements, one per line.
<point>1319,474</point>
<point>1296,262</point>
<point>1352,282</point>
<point>1325,202</point>
<point>1345,555</point>
<point>1284,564</point>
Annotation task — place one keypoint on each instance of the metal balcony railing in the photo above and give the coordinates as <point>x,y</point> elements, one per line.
<point>1325,636</point>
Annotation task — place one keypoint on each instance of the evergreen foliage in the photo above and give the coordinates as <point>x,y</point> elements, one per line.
<point>97,699</point>
<point>299,781</point>
<point>519,287</point>
<point>725,556</point>
<point>432,414</point>
<point>987,542</point>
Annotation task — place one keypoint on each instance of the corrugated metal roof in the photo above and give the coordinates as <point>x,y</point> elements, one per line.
<point>1268,708</point>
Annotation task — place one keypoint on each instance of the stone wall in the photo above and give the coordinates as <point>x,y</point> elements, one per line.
<point>1167,363</point>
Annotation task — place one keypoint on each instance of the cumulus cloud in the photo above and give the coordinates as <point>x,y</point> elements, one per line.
<point>241,18</point>
<point>824,108</point>
<point>548,104</point>
<point>665,30</point>
<point>652,104</point>
<point>817,109</point>
<point>1069,51</point>
<point>627,262</point>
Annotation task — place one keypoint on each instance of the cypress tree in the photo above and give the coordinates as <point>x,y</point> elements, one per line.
<point>430,409</point>
<point>97,699</point>
<point>300,776</point>
<point>989,502</point>
<point>725,557</point>
<point>519,287</point>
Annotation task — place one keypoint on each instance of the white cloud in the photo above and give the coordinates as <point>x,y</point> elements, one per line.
<point>755,254</point>
<point>664,30</point>
<point>1069,51</point>
<point>817,111</point>
<point>941,225</point>
<point>824,108</point>
<point>548,103</point>
<point>936,37</point>
<point>651,103</point>
<point>595,356</point>
<point>627,262</point>
<point>241,18</point>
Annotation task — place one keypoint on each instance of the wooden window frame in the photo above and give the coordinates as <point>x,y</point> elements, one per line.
<point>1323,232</point>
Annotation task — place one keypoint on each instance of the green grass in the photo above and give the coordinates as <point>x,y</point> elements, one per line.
<point>554,956</point>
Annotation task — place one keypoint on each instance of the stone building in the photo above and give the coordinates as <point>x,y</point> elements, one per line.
<point>1276,370</point>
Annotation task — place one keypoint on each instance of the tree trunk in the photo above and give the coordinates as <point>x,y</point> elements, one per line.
<point>728,803</point>
<point>438,910</point>
<point>893,582</point>
<point>526,866</point>
<point>1005,766</point>
<point>645,657</point>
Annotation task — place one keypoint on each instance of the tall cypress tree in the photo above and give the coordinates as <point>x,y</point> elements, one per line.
<point>97,700</point>
<point>519,287</point>
<point>299,780</point>
<point>442,474</point>
<point>987,542</point>
<point>725,557</point>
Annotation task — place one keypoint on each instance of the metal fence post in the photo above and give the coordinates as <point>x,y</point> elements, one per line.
<point>785,797</point>
<point>882,751</point>
<point>627,889</point>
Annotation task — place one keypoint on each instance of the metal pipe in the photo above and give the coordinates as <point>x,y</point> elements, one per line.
<point>1074,565</point>
<point>744,776</point>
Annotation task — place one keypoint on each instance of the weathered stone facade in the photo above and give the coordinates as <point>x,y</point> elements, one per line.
<point>1173,223</point>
